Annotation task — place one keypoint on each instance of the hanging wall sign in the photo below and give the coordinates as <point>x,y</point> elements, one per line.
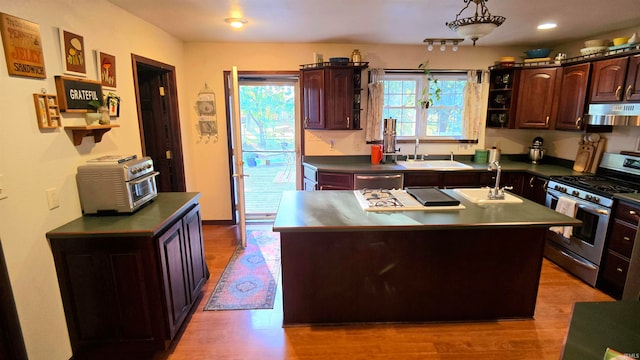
<point>75,94</point>
<point>22,47</point>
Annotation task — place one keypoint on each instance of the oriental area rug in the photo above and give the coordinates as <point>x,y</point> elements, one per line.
<point>251,277</point>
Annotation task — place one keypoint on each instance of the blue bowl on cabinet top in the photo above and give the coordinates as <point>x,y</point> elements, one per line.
<point>538,53</point>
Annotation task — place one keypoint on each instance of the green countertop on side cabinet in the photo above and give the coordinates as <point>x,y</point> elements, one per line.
<point>362,164</point>
<point>595,326</point>
<point>147,221</point>
<point>339,210</point>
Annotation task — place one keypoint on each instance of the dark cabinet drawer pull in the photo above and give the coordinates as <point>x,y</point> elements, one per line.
<point>632,212</point>
<point>618,269</point>
<point>626,238</point>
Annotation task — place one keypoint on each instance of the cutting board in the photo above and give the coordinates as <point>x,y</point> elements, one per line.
<point>597,156</point>
<point>583,157</point>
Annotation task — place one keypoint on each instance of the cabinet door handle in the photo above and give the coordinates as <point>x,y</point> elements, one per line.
<point>306,121</point>
<point>531,182</point>
<point>628,92</point>
<point>633,213</point>
<point>618,92</point>
<point>579,122</point>
<point>546,123</point>
<point>618,269</point>
<point>626,238</point>
<point>348,122</point>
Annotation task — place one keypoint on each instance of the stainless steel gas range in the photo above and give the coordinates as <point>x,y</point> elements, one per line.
<point>593,194</point>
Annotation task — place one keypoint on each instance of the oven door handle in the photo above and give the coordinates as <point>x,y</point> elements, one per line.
<point>593,210</point>
<point>144,178</point>
<point>582,263</point>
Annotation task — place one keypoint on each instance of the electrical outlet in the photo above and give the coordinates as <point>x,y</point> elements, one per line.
<point>52,198</point>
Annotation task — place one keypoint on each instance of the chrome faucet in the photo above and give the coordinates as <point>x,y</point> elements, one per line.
<point>451,157</point>
<point>496,193</point>
<point>415,150</point>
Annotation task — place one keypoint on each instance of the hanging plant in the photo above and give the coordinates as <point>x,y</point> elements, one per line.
<point>432,91</point>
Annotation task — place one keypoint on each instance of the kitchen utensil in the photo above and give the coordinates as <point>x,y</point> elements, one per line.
<point>494,154</point>
<point>538,53</point>
<point>597,156</point>
<point>620,40</point>
<point>594,43</point>
<point>376,154</point>
<point>536,154</point>
<point>583,157</point>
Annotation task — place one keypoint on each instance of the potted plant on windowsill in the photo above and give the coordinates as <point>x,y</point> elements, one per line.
<point>431,91</point>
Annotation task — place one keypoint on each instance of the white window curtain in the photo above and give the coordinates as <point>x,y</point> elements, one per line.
<point>475,104</point>
<point>375,102</point>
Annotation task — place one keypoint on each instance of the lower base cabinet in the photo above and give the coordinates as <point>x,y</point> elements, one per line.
<point>125,296</point>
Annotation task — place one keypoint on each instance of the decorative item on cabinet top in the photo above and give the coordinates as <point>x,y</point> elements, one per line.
<point>362,65</point>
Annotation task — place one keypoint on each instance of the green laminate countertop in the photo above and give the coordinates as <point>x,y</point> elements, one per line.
<point>147,221</point>
<point>339,210</point>
<point>634,198</point>
<point>362,164</point>
<point>596,326</point>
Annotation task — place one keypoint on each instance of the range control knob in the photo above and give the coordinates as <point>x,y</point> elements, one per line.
<point>575,193</point>
<point>593,199</point>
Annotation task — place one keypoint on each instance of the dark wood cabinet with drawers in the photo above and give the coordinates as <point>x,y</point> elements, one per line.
<point>620,242</point>
<point>128,282</point>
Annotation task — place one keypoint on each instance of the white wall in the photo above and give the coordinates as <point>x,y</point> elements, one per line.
<point>32,160</point>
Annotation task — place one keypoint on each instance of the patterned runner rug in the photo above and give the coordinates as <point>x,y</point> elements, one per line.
<point>251,277</point>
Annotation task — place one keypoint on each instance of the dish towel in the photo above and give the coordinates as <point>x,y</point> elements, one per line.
<point>568,207</point>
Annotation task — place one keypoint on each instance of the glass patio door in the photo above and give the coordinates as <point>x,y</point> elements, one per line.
<point>268,112</point>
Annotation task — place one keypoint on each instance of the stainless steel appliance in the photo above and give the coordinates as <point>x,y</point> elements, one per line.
<point>536,151</point>
<point>614,114</point>
<point>581,254</point>
<point>378,181</point>
<point>116,184</point>
<point>389,137</point>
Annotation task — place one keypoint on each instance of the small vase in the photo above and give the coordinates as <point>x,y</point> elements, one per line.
<point>92,118</point>
<point>104,116</point>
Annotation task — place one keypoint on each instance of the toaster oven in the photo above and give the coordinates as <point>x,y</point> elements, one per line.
<point>116,184</point>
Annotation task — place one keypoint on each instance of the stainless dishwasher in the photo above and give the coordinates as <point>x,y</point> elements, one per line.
<point>378,181</point>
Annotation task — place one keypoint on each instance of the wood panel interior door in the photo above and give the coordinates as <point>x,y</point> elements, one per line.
<point>572,97</point>
<point>159,121</point>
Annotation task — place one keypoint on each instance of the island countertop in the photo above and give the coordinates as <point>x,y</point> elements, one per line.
<point>339,210</point>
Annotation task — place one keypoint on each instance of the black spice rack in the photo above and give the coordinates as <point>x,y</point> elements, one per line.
<point>631,49</point>
<point>335,64</point>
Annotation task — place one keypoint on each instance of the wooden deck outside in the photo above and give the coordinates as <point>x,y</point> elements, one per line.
<point>265,184</point>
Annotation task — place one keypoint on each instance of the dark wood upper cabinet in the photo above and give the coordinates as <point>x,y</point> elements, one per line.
<point>331,96</point>
<point>537,106</point>
<point>632,92</point>
<point>615,80</point>
<point>572,97</point>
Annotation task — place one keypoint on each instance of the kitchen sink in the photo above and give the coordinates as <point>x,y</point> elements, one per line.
<point>433,164</point>
<point>480,196</point>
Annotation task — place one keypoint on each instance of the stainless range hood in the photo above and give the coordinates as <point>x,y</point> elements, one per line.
<point>614,114</point>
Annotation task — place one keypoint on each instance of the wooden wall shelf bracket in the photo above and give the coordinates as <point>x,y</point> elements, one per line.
<point>96,131</point>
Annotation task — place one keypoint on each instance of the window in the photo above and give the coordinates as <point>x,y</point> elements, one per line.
<point>403,95</point>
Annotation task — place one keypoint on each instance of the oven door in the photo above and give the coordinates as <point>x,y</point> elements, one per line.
<point>142,190</point>
<point>588,239</point>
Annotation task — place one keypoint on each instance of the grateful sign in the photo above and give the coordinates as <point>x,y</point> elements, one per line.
<point>75,94</point>
<point>22,47</point>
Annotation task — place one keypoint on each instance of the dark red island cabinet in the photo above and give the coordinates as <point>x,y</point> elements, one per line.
<point>128,282</point>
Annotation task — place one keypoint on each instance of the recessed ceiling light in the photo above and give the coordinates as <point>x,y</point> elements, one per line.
<point>236,22</point>
<point>546,26</point>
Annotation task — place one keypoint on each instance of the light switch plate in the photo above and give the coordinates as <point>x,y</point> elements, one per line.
<point>52,198</point>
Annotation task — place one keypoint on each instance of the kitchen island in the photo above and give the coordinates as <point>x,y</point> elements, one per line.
<point>341,264</point>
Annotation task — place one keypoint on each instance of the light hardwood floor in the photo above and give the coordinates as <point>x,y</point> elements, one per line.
<point>258,334</point>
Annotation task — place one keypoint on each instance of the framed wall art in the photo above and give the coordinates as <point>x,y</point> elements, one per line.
<point>74,95</point>
<point>74,61</point>
<point>47,111</point>
<point>22,47</point>
<point>113,101</point>
<point>106,66</point>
